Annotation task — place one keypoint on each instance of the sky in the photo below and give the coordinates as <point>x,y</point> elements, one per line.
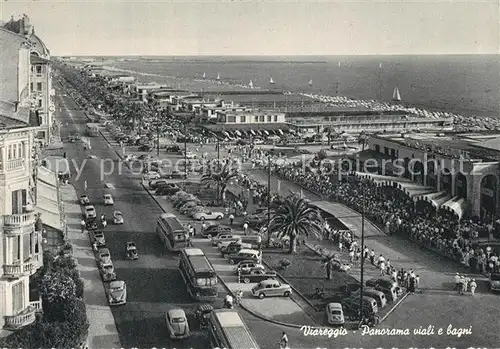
<point>262,27</point>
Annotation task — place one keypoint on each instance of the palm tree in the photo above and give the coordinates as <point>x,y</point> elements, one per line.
<point>220,175</point>
<point>296,217</point>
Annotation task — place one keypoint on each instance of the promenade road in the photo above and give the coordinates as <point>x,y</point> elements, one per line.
<point>154,284</point>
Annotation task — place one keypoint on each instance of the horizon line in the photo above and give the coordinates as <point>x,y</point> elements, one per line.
<point>280,55</point>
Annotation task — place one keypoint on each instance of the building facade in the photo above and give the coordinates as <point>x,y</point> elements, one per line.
<point>20,244</point>
<point>40,77</point>
<point>452,170</point>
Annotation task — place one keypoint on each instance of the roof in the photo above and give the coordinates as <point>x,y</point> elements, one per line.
<point>229,318</point>
<point>9,123</point>
<point>177,313</point>
<point>267,126</point>
<point>34,59</point>
<point>193,252</point>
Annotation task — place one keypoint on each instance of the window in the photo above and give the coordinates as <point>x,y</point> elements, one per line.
<point>243,118</point>
<point>38,69</point>
<point>269,118</point>
<point>26,246</point>
<point>39,86</point>
<point>32,242</point>
<point>9,152</point>
<point>231,118</point>
<point>39,103</point>
<point>276,118</point>
<point>14,151</point>
<point>31,87</point>
<point>18,297</point>
<point>261,118</point>
<point>256,118</point>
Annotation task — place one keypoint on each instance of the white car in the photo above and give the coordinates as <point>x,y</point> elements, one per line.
<point>224,238</point>
<point>177,324</point>
<point>108,199</point>
<point>116,292</point>
<point>117,217</point>
<point>90,212</point>
<point>209,215</point>
<point>190,155</point>
<point>335,314</point>
<point>84,200</point>
<point>152,175</point>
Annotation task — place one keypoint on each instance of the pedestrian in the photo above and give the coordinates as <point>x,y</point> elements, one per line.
<point>457,282</point>
<point>351,255</point>
<point>473,287</point>
<point>191,230</point>
<point>188,240</point>
<point>340,246</point>
<point>82,225</point>
<point>417,281</point>
<point>231,220</point>
<point>382,268</point>
<point>284,341</point>
<point>411,285</point>
<point>203,227</point>
<point>372,257</point>
<point>245,228</point>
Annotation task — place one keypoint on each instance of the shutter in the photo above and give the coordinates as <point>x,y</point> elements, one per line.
<point>15,203</point>
<point>24,197</point>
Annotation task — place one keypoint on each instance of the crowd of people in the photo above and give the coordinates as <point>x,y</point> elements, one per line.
<point>396,212</point>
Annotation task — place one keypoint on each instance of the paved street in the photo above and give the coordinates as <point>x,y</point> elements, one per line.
<point>140,322</point>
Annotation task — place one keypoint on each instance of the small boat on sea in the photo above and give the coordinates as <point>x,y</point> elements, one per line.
<point>204,75</point>
<point>218,77</point>
<point>380,66</point>
<point>271,81</point>
<point>396,96</point>
<point>310,82</point>
<point>250,84</point>
<point>339,63</point>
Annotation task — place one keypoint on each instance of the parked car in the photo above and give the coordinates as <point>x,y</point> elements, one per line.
<point>108,199</point>
<point>167,190</point>
<point>151,175</point>
<point>90,212</point>
<point>255,220</point>
<point>388,286</point>
<point>196,209</point>
<point>84,200</point>
<point>215,230</point>
<point>227,238</point>
<point>103,256</point>
<point>233,248</point>
<point>155,183</point>
<point>335,314</point>
<point>187,206</point>
<point>257,274</point>
<point>242,255</point>
<point>271,288</point>
<point>494,282</point>
<point>116,292</point>
<point>107,272</point>
<point>173,148</point>
<point>145,147</point>
<point>177,324</point>
<point>98,238</point>
<point>117,217</point>
<point>202,216</point>
<point>247,265</point>
<point>190,155</point>
<point>175,175</point>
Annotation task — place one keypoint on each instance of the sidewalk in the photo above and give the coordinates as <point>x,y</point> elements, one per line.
<point>102,330</point>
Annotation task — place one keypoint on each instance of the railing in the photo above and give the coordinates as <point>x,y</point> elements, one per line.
<point>21,219</point>
<point>13,322</point>
<point>17,270</point>
<point>13,165</point>
<point>37,305</point>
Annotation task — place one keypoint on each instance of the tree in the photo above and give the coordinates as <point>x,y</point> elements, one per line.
<point>221,175</point>
<point>296,217</point>
<point>56,289</point>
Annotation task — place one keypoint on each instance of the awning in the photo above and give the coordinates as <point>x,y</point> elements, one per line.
<point>48,205</point>
<point>226,134</point>
<point>280,132</point>
<point>436,199</point>
<point>253,132</point>
<point>238,133</point>
<point>415,190</point>
<point>265,132</point>
<point>47,176</point>
<point>456,206</point>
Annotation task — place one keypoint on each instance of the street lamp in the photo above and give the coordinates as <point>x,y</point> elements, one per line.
<point>185,152</point>
<point>217,146</point>
<point>362,253</point>
<point>268,199</point>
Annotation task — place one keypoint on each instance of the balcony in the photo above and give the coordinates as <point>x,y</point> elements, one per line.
<point>16,164</point>
<point>14,222</point>
<point>21,269</point>
<point>37,305</point>
<point>15,322</point>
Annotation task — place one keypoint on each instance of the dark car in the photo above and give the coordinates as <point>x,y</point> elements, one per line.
<point>255,220</point>
<point>91,224</point>
<point>173,149</point>
<point>215,230</point>
<point>256,275</point>
<point>155,184</point>
<point>145,148</point>
<point>167,190</point>
<point>233,248</point>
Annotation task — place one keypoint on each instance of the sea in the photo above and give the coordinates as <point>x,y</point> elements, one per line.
<point>462,84</point>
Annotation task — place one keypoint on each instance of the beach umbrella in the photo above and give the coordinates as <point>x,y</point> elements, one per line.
<point>226,134</point>
<point>237,133</point>
<point>265,132</point>
<point>280,132</point>
<point>252,132</point>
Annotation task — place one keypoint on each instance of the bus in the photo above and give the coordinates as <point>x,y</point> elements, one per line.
<point>171,232</point>
<point>92,130</point>
<point>227,330</point>
<point>198,274</point>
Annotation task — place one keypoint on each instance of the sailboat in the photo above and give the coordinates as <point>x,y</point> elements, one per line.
<point>271,81</point>
<point>204,75</point>
<point>250,84</point>
<point>395,95</point>
<point>310,82</point>
<point>339,63</point>
<point>380,66</point>
<point>218,77</point>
